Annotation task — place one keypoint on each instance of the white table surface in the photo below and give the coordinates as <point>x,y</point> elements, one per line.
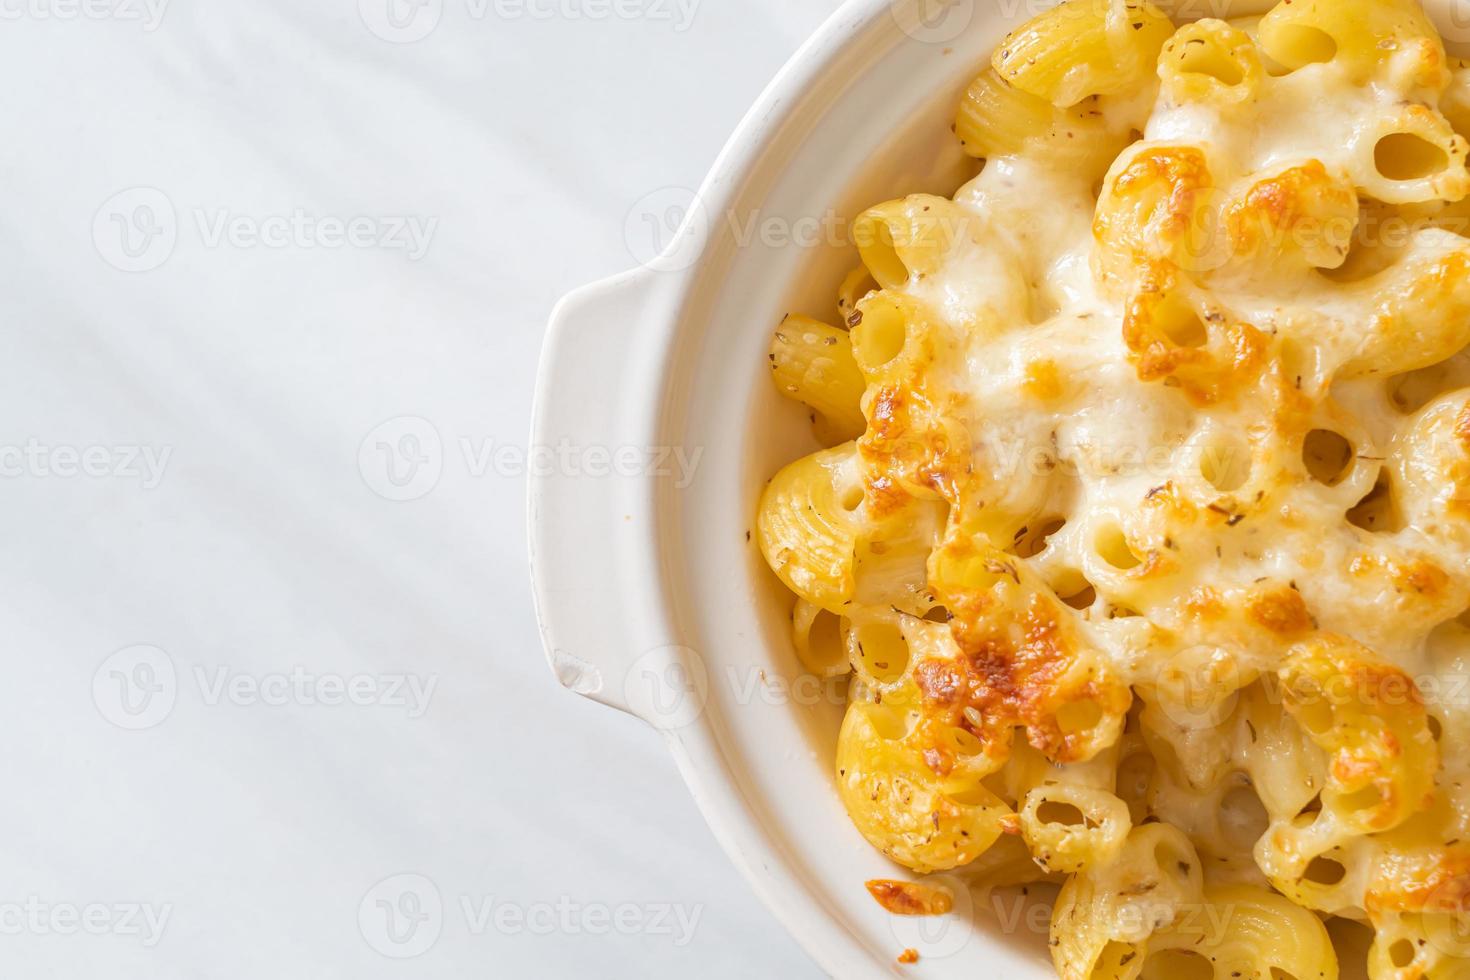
<point>214,615</point>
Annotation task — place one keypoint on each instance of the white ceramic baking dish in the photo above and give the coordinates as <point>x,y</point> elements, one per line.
<point>651,594</point>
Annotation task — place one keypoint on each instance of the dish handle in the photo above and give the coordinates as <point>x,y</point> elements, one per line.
<point>591,497</point>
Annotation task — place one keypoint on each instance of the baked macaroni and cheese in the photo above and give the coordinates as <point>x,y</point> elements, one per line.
<point>1144,533</point>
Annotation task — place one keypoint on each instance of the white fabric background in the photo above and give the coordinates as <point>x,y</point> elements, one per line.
<point>264,548</point>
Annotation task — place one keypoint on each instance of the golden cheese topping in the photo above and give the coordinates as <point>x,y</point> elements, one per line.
<point>1150,553</point>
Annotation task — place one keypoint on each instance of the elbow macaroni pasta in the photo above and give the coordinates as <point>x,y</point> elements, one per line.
<point>1143,543</point>
<point>1078,50</point>
<point>813,363</point>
